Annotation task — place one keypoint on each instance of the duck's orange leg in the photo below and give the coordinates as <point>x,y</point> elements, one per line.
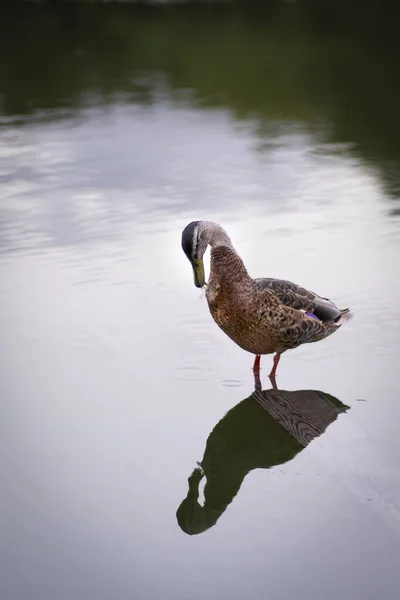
<point>256,366</point>
<point>276,361</point>
<point>256,371</point>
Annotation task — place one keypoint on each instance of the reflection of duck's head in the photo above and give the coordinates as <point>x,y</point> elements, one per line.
<point>269,428</point>
<point>192,517</point>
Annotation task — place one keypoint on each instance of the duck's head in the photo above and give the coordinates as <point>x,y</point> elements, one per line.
<point>194,244</point>
<point>195,238</point>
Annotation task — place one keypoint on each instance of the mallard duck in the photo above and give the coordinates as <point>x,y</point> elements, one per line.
<point>263,316</point>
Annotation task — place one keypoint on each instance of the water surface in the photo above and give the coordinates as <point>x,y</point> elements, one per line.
<point>119,125</point>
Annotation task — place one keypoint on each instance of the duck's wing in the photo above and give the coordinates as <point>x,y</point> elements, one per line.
<point>306,329</point>
<point>291,326</point>
<point>299,298</point>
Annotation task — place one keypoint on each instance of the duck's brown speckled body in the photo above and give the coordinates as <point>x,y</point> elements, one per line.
<point>262,316</point>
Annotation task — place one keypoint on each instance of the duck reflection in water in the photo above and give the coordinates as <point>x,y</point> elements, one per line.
<point>266,429</point>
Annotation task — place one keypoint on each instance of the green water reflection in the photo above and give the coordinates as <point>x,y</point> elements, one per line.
<point>329,68</point>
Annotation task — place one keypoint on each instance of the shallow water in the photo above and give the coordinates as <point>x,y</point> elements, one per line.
<point>115,381</point>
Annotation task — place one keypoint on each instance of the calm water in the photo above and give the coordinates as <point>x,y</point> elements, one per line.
<point>119,125</point>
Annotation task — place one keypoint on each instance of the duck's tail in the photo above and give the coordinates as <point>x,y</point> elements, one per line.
<point>345,315</point>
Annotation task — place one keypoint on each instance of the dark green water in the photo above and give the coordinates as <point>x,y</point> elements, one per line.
<point>136,459</point>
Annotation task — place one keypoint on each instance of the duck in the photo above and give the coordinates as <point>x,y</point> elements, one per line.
<point>264,315</point>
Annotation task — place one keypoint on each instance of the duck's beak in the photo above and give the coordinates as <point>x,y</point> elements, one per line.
<point>198,272</point>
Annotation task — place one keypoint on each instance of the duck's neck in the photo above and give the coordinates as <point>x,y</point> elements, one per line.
<point>227,268</point>
<point>217,236</point>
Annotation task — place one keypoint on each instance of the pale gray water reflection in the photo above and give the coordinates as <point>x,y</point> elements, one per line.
<point>112,372</point>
